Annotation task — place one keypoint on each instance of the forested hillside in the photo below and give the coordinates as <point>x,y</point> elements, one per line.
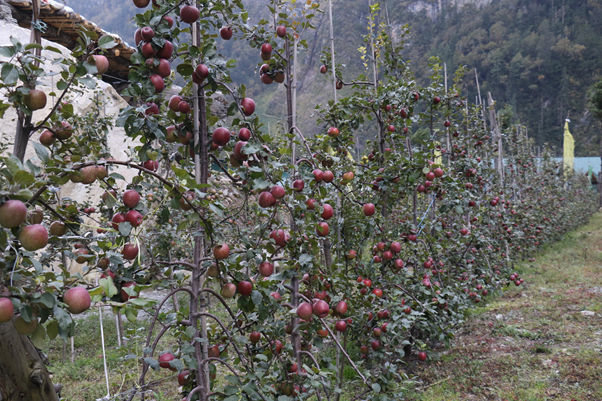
<point>537,58</point>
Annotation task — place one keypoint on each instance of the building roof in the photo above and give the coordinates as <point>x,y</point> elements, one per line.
<point>61,27</point>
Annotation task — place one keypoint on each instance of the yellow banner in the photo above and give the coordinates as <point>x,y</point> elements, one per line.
<point>569,148</point>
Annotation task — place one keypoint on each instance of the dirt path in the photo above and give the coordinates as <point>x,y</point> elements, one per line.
<point>539,342</point>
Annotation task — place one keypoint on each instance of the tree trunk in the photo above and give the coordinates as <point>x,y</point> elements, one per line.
<point>22,136</point>
<point>23,376</point>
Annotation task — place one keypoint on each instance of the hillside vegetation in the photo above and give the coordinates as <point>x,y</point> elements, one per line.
<point>537,58</point>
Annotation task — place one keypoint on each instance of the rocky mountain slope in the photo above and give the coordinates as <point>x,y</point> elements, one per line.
<point>538,58</point>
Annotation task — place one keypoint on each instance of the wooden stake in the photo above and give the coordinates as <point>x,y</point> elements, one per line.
<point>334,72</point>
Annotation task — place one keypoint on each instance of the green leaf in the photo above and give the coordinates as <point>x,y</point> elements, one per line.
<point>256,297</point>
<point>3,107</point>
<point>106,42</point>
<point>305,259</point>
<point>7,51</point>
<point>47,299</point>
<point>125,228</point>
<point>41,151</point>
<point>25,193</point>
<point>153,363</point>
<point>52,330</point>
<point>131,315</point>
<point>376,387</point>
<point>185,69</point>
<point>216,210</point>
<point>89,82</point>
<point>9,74</point>
<point>24,178</point>
<point>108,286</point>
<point>33,46</point>
<point>38,336</point>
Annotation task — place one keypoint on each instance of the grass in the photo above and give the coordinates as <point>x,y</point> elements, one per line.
<point>533,342</point>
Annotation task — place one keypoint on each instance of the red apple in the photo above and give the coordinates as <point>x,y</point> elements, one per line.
<point>164,360</point>
<point>348,177</point>
<point>328,212</point>
<point>245,288</point>
<point>341,308</point>
<point>328,176</point>
<point>184,378</point>
<point>422,356</point>
<point>117,218</point>
<point>395,247</point>
<point>226,33</point>
<point>47,138</point>
<point>184,107</point>
<point>33,237</point>
<point>101,63</point>
<point>134,218</point>
<point>369,209</point>
<point>318,175</point>
<point>151,109</point>
<point>438,173</point>
<point>228,290</point>
<point>131,198</point>
<point>202,71</point>
<point>163,69</point>
<point>254,337</point>
<point>148,50</point>
<point>266,48</point>
<point>311,204</point>
<point>322,229</point>
<point>341,326</point>
<point>298,185</point>
<point>124,295</point>
<point>166,51</point>
<point>304,311</point>
<point>157,82</point>
<point>238,151</point>
<point>281,31</point>
<point>266,199</point>
<point>189,14</point>
<point>320,309</point>
<point>221,252</point>
<point>35,99</point>
<point>221,136</point>
<point>147,33</point>
<point>279,237</point>
<point>278,192</point>
<point>174,101</point>
<point>248,105</point>
<point>398,263</point>
<point>151,165</point>
<point>13,213</point>
<point>130,251</point>
<point>266,269</point>
<point>77,299</point>
<point>58,228</point>
<point>333,132</point>
<point>6,310</point>
<point>244,134</point>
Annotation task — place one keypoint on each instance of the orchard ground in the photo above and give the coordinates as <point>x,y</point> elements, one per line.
<point>539,341</point>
